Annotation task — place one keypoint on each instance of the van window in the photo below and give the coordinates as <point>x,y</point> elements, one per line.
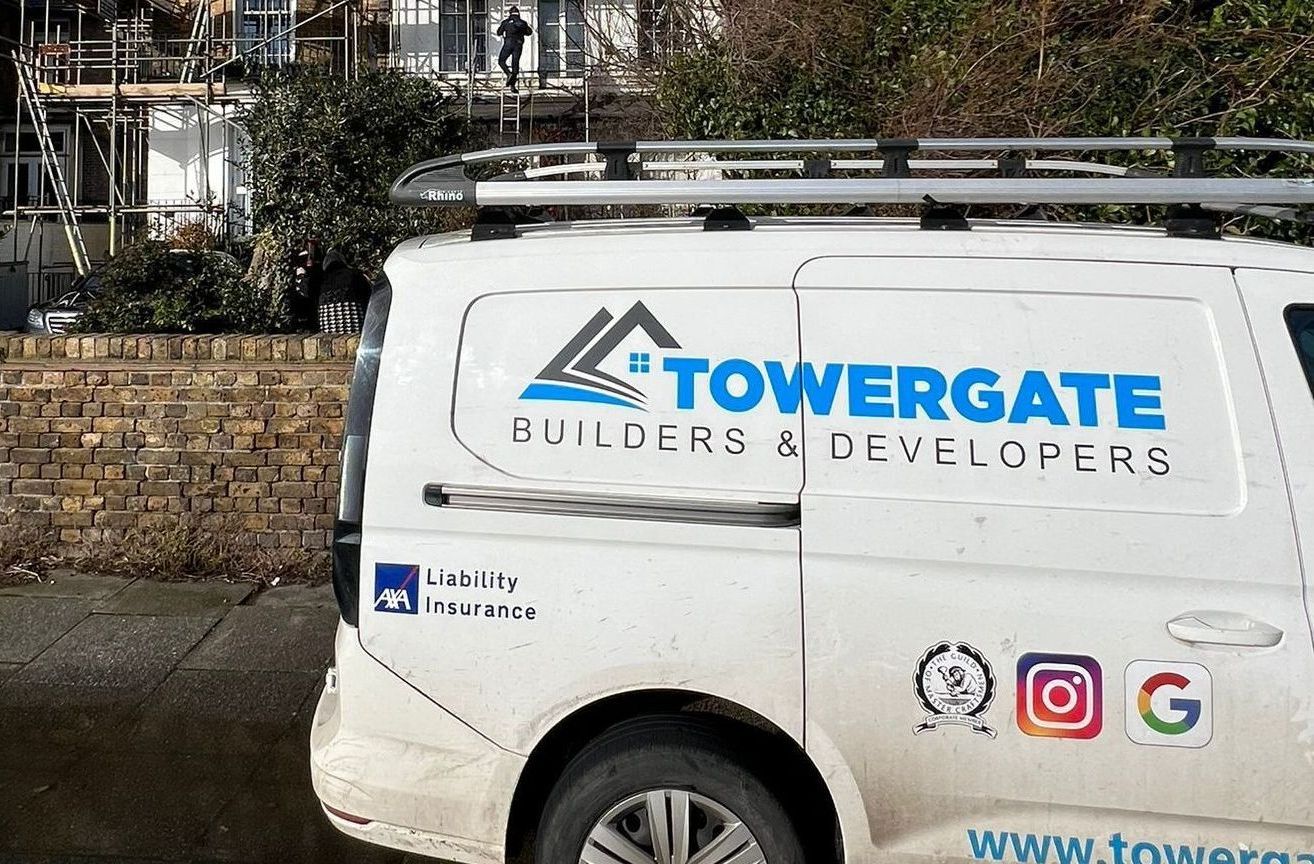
<point>1301,321</point>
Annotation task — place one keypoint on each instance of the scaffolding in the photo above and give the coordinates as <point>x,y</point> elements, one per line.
<point>92,78</point>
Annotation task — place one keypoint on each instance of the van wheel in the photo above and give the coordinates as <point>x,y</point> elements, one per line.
<point>664,790</point>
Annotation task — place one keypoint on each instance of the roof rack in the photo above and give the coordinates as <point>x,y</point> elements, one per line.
<point>619,173</point>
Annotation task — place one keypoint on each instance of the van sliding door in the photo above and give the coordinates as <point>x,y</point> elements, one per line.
<point>1052,592</point>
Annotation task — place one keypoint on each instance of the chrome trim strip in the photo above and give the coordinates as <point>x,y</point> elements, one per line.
<point>699,511</point>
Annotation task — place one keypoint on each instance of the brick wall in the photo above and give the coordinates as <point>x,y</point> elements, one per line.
<point>100,435</point>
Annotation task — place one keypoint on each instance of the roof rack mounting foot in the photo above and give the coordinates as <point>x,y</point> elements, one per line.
<point>726,219</point>
<point>1189,153</point>
<point>894,153</point>
<point>617,155</point>
<point>499,223</point>
<point>943,217</point>
<point>1191,220</point>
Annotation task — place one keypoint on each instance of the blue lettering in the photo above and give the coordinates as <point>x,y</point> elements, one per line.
<point>983,406</point>
<point>1182,854</point>
<point>1267,858</point>
<point>685,368</point>
<point>1075,850</point>
<point>912,396</point>
<point>753,386</point>
<point>1138,858</point>
<point>986,846</point>
<point>1138,400</point>
<point>912,392</point>
<point>1117,845</point>
<point>1219,855</point>
<point>1085,383</point>
<point>1028,847</point>
<point>1036,398</point>
<point>802,383</point>
<point>865,387</point>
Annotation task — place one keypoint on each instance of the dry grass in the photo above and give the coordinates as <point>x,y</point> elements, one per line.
<point>187,550</point>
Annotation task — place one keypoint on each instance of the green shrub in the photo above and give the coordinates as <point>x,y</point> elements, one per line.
<point>933,68</point>
<point>150,288</point>
<point>323,150</point>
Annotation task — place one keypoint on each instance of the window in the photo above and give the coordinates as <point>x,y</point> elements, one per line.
<point>561,38</point>
<point>29,144</point>
<point>27,182</point>
<point>463,32</point>
<point>654,27</point>
<point>1301,321</point>
<point>442,35</point>
<point>261,20</point>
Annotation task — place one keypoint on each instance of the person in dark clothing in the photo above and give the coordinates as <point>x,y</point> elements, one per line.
<point>344,293</point>
<point>513,32</point>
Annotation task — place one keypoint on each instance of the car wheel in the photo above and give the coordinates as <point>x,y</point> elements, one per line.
<point>664,790</point>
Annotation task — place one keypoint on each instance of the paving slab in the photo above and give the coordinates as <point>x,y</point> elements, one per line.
<point>55,725</point>
<point>7,669</point>
<point>29,625</point>
<point>269,639</point>
<point>108,653</point>
<point>317,596</point>
<point>95,859</point>
<point>68,584</point>
<point>147,597</point>
<point>220,711</point>
<point>289,818</point>
<point>83,690</point>
<point>127,805</point>
<point>287,763</point>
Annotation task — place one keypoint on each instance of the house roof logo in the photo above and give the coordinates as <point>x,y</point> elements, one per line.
<point>573,375</point>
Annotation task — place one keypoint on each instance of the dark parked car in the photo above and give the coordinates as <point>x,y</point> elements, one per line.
<point>55,316</point>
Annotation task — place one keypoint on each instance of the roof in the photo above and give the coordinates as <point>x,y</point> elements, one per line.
<point>651,251</point>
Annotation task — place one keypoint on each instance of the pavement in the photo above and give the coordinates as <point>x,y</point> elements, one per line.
<point>144,721</point>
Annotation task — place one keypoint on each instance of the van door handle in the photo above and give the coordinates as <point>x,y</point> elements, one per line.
<point>1210,627</point>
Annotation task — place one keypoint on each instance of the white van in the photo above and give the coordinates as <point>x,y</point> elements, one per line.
<point>832,539</point>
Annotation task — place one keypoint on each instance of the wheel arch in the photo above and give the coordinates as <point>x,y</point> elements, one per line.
<point>806,796</point>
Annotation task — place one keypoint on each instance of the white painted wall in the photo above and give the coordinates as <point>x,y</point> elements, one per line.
<point>44,243</point>
<point>195,159</point>
<point>416,46</point>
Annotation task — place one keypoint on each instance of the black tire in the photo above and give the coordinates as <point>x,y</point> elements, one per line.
<point>665,752</point>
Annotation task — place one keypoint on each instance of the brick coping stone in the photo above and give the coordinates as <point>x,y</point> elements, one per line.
<point>187,348</point>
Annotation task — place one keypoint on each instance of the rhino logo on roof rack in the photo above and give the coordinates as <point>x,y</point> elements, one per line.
<point>573,374</point>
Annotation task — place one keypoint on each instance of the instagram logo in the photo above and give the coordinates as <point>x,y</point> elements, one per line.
<point>1059,696</point>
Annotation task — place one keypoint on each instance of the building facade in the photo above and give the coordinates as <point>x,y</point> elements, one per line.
<point>120,117</point>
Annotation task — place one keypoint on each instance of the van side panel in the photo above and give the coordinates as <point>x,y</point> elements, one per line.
<point>563,522</point>
<point>1038,468</point>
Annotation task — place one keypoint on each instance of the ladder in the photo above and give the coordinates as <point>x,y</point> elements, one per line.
<point>30,92</point>
<point>509,122</point>
<point>195,42</point>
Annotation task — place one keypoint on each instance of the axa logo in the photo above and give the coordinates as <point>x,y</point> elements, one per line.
<point>575,373</point>
<point>397,588</point>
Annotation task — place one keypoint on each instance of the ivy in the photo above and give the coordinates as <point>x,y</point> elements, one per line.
<point>323,149</point>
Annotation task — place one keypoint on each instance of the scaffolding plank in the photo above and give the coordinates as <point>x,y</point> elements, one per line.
<point>153,90</point>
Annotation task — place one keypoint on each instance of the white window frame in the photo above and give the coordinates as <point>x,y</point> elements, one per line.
<point>269,17</point>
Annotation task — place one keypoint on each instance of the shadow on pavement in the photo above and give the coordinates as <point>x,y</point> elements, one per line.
<point>163,737</point>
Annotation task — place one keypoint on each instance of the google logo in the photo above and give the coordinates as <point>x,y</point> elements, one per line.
<point>1189,708</point>
<point>1169,704</point>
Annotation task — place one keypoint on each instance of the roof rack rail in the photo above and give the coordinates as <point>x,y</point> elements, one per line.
<point>618,173</point>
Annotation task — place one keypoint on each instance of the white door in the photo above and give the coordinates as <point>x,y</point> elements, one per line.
<point>586,505</point>
<point>1041,498</point>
